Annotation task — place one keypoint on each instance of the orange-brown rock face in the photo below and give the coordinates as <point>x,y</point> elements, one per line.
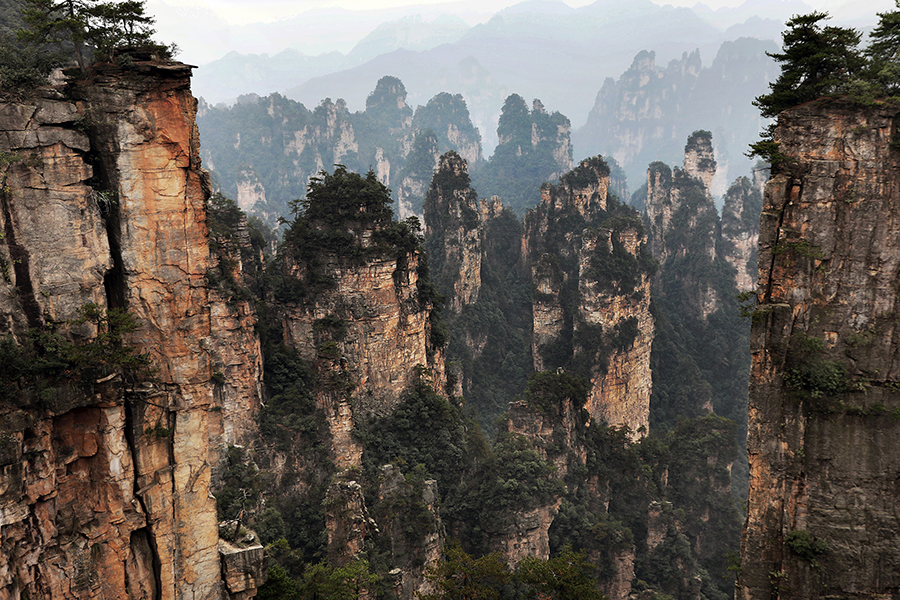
<point>454,220</point>
<point>105,486</point>
<point>582,304</point>
<point>384,343</point>
<point>621,394</point>
<point>823,448</point>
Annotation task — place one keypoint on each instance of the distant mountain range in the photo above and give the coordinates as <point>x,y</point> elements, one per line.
<point>537,49</point>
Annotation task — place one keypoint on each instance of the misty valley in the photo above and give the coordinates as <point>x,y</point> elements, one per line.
<point>276,350</point>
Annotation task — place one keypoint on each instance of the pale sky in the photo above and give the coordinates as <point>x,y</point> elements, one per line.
<point>240,12</point>
<point>206,30</point>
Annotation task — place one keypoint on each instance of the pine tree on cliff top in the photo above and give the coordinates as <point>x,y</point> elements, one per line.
<point>816,61</point>
<point>104,29</point>
<point>884,53</point>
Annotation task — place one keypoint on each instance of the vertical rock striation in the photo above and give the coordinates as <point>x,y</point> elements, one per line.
<point>823,445</point>
<point>454,224</point>
<point>740,231</point>
<point>591,305</point>
<point>106,483</point>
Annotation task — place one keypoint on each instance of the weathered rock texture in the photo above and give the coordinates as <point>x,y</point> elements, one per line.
<point>680,211</point>
<point>740,230</point>
<point>452,218</point>
<point>410,524</point>
<point>106,485</point>
<point>370,337</point>
<point>587,311</point>
<point>823,447</point>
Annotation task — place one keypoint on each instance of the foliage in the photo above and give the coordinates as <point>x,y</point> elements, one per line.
<point>226,220</point>
<point>240,486</point>
<point>320,581</point>
<point>521,164</point>
<point>48,357</point>
<point>24,66</point>
<point>809,372</point>
<point>547,391</point>
<point>883,54</point>
<point>461,577</point>
<point>804,545</point>
<point>335,219</point>
<point>345,200</point>
<point>423,429</point>
<point>815,61</point>
<point>387,103</point>
<point>105,28</point>
<point>564,577</point>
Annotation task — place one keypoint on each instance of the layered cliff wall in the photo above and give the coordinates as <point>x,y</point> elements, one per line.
<point>591,307</point>
<point>823,443</point>
<point>107,472</point>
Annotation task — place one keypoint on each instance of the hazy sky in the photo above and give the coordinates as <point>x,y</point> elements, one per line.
<point>206,30</point>
<point>238,12</point>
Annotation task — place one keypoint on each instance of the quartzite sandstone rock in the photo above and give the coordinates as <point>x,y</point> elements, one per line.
<point>620,394</point>
<point>105,486</point>
<point>824,449</point>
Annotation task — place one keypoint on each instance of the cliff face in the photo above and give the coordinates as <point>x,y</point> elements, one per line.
<point>107,482</point>
<point>454,222</point>
<point>823,448</point>
<point>591,306</point>
<point>740,229</point>
<point>680,210</point>
<point>369,334</point>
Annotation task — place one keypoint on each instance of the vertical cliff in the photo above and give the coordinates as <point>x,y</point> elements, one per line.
<point>681,215</point>
<point>822,440</point>
<point>453,222</point>
<point>107,469</point>
<point>740,230</point>
<point>475,252</point>
<point>591,306</point>
<point>357,304</point>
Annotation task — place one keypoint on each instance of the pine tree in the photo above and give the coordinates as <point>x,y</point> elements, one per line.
<point>816,61</point>
<point>101,28</point>
<point>884,53</point>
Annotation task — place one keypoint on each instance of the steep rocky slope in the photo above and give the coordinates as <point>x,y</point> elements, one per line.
<point>700,357</point>
<point>823,400</point>
<point>591,272</point>
<point>107,470</point>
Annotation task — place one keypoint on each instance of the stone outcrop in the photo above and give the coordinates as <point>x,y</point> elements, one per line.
<point>609,328</point>
<point>244,569</point>
<point>740,230</point>
<point>368,333</point>
<point>409,520</point>
<point>106,482</point>
<point>456,230</point>
<point>823,445</point>
<point>346,520</point>
<point>681,214</point>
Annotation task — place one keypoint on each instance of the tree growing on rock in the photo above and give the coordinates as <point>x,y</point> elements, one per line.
<point>816,61</point>
<point>101,29</point>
